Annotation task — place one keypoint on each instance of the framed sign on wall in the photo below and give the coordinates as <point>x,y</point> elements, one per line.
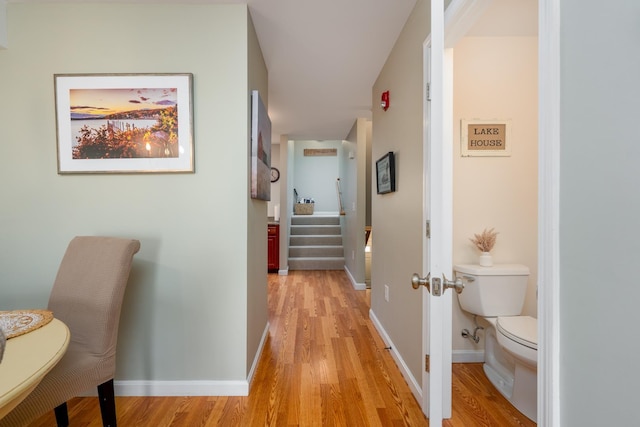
<point>485,138</point>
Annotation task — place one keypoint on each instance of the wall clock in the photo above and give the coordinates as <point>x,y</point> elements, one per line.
<point>275,174</point>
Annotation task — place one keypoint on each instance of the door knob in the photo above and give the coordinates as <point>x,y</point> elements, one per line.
<point>417,281</point>
<point>453,284</point>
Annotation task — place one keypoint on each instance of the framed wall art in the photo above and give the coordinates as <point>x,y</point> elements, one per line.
<point>386,173</point>
<point>124,123</point>
<point>260,149</point>
<point>485,138</point>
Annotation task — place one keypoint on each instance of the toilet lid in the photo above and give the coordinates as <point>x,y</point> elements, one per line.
<point>521,329</point>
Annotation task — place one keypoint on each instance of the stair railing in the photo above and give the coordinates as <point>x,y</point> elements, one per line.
<point>339,191</point>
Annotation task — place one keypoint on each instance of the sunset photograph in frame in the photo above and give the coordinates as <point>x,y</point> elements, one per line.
<point>124,123</point>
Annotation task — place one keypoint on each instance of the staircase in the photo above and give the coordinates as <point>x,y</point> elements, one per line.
<point>315,243</point>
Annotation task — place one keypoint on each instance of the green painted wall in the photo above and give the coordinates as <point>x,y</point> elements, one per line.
<point>185,314</point>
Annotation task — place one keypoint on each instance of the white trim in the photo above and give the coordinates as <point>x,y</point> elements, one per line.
<point>256,358</point>
<point>459,17</point>
<point>426,70</point>
<point>284,272</point>
<point>357,286</point>
<point>549,213</point>
<point>181,388</point>
<point>189,388</point>
<point>467,356</point>
<point>415,387</point>
<point>447,242</point>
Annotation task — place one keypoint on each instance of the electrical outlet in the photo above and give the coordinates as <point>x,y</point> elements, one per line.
<point>386,293</point>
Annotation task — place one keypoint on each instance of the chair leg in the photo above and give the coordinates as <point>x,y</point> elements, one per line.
<point>107,403</point>
<point>62,415</point>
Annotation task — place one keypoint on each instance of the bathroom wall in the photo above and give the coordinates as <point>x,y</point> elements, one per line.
<point>496,78</point>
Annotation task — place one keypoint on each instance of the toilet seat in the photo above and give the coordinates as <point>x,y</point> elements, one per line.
<point>521,329</point>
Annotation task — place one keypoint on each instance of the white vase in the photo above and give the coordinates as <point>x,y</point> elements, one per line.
<point>485,259</point>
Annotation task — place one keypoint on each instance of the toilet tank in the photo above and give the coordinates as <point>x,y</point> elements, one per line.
<point>493,291</point>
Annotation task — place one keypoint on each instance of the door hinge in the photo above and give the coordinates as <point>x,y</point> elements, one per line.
<point>428,91</point>
<point>428,229</point>
<point>426,363</point>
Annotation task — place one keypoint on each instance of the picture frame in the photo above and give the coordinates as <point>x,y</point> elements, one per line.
<point>124,123</point>
<point>485,138</point>
<point>386,173</point>
<point>260,149</point>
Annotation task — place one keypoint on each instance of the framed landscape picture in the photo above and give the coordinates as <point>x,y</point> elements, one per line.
<point>124,123</point>
<point>386,173</point>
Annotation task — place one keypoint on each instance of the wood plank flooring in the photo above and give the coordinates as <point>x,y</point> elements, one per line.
<point>324,364</point>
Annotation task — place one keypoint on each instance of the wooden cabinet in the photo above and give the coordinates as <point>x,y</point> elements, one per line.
<point>273,245</point>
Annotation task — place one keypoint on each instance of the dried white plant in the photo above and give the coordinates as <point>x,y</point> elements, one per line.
<point>485,241</point>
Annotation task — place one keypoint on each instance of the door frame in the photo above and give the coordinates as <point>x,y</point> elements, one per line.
<point>460,14</point>
<point>549,408</point>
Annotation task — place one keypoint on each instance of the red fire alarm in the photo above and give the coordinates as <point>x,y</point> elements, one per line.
<point>384,101</point>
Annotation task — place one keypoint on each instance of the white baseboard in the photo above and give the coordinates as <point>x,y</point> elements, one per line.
<point>414,385</point>
<point>284,272</point>
<point>241,388</point>
<point>467,356</point>
<point>357,286</point>
<point>181,388</point>
<point>458,356</point>
<point>256,358</point>
<point>190,388</point>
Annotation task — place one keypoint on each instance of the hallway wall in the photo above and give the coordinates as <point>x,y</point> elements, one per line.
<point>315,176</point>
<point>195,307</point>
<point>354,179</point>
<point>598,212</point>
<point>275,186</point>
<point>396,218</point>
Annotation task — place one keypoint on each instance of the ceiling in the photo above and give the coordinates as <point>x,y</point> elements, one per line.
<point>323,56</point>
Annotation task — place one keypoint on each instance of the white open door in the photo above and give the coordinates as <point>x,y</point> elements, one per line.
<point>437,213</point>
<point>446,29</point>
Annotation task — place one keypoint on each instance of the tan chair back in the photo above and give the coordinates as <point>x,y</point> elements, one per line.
<point>88,290</point>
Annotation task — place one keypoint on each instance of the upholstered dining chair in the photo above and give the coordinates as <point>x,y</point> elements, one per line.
<point>87,296</point>
<point>3,342</point>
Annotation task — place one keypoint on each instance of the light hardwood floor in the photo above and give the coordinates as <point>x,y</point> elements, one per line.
<point>323,364</point>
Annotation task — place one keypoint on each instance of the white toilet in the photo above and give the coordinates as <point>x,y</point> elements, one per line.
<point>497,294</point>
